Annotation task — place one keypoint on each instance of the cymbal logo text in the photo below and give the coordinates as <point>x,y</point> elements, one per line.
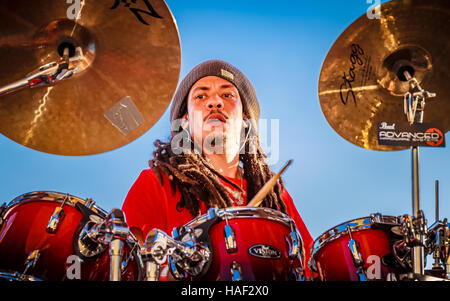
<point>150,11</point>
<point>346,88</point>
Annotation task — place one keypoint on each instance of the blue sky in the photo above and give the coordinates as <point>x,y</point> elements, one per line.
<point>280,46</point>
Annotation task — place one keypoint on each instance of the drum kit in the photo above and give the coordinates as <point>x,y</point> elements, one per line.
<point>108,70</point>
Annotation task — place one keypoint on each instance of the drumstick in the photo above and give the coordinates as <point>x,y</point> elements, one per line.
<point>258,198</point>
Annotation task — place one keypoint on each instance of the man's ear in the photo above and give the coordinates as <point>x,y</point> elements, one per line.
<point>185,121</point>
<point>245,122</point>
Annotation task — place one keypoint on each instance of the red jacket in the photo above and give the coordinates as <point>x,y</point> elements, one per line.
<point>149,205</point>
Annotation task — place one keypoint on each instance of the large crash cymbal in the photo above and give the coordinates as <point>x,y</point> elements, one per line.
<point>126,79</point>
<point>358,84</point>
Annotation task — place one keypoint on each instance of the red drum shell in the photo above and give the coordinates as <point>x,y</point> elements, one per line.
<point>24,230</point>
<point>334,261</point>
<point>249,232</point>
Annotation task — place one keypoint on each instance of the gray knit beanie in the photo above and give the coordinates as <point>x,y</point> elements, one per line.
<point>223,70</point>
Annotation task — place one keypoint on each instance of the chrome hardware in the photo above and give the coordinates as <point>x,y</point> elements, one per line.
<point>89,203</point>
<point>151,271</point>
<point>230,238</point>
<point>299,274</point>
<point>414,229</point>
<point>212,212</point>
<point>188,255</point>
<point>402,254</point>
<point>295,245</point>
<point>354,248</point>
<point>438,240</point>
<point>391,277</point>
<point>112,232</point>
<point>174,270</point>
<point>87,240</point>
<point>54,196</point>
<point>56,218</point>
<point>445,249</point>
<point>116,233</point>
<point>15,276</point>
<point>2,209</point>
<point>126,261</point>
<point>358,261</point>
<point>31,261</point>
<point>48,74</point>
<point>175,232</point>
<point>236,271</point>
<point>414,232</point>
<point>313,265</point>
<point>355,225</point>
<point>376,218</point>
<point>244,212</point>
<point>115,253</point>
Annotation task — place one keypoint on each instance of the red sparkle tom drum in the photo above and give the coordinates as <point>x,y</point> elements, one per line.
<point>360,249</point>
<point>248,243</point>
<point>40,240</point>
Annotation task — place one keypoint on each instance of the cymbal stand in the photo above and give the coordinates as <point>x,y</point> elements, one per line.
<point>414,105</point>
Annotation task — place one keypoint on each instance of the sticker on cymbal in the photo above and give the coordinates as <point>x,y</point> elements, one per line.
<point>125,116</point>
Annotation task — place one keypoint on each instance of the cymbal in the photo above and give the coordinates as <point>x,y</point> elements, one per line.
<point>358,84</point>
<point>126,77</point>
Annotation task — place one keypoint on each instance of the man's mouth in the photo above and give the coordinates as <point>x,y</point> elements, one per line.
<point>215,117</point>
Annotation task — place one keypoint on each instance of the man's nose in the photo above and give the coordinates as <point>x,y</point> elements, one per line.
<point>214,102</point>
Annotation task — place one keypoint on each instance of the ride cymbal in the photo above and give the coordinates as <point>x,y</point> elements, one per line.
<point>126,75</point>
<point>359,85</point>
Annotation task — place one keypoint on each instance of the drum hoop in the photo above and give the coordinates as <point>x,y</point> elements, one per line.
<point>355,225</point>
<point>68,199</point>
<point>246,212</point>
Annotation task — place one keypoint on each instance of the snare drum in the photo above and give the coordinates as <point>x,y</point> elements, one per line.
<point>334,259</point>
<point>40,239</point>
<point>247,243</point>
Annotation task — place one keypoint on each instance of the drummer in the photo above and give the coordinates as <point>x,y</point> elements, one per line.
<point>213,158</point>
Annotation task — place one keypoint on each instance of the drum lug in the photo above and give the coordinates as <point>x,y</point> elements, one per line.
<point>55,219</point>
<point>354,248</point>
<point>295,245</point>
<point>355,251</point>
<point>31,261</point>
<point>230,241</point>
<point>236,271</point>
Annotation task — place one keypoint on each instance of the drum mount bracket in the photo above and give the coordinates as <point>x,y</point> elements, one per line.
<point>188,254</point>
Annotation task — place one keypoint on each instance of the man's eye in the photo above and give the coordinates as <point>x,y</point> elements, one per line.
<point>200,96</point>
<point>228,95</point>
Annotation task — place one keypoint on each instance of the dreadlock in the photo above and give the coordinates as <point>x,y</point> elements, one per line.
<point>197,180</point>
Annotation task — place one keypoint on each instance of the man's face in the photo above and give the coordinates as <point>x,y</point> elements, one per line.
<point>214,113</point>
